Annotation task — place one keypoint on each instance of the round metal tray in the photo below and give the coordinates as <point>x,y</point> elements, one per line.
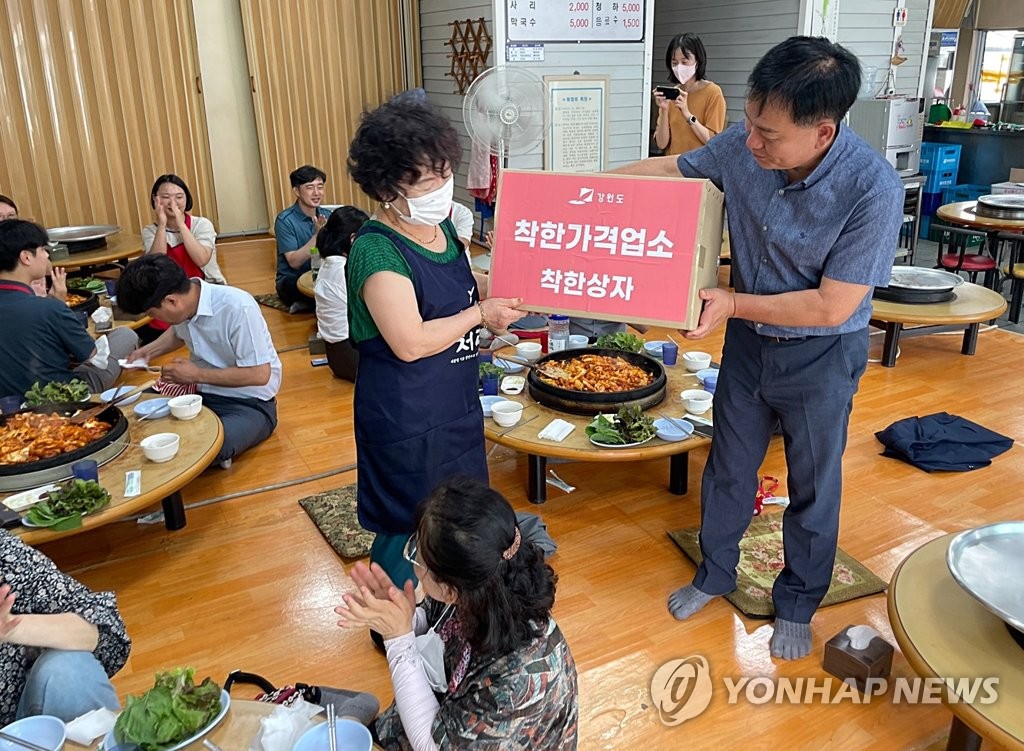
<point>924,280</point>
<point>26,476</point>
<point>986,562</point>
<point>589,403</point>
<point>1002,206</point>
<point>82,233</point>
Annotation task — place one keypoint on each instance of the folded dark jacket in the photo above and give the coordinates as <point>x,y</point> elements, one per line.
<point>942,442</point>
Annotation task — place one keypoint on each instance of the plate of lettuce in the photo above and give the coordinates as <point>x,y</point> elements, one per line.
<point>170,716</point>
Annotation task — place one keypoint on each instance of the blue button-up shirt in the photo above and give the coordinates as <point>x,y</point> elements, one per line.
<point>841,222</point>
<point>292,229</point>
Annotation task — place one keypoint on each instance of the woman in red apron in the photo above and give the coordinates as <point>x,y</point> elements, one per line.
<point>190,241</point>
<point>414,315</point>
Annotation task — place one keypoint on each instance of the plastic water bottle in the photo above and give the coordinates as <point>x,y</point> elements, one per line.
<point>558,333</point>
<point>315,261</point>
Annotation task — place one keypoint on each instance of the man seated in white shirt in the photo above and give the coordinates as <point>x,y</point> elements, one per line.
<point>232,357</point>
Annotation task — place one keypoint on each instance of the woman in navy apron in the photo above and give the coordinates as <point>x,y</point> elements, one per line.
<point>414,313</point>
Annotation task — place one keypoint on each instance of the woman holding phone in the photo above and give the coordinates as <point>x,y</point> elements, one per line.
<point>692,109</point>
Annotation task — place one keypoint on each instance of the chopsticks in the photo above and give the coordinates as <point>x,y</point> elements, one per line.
<point>21,742</point>
<point>675,422</point>
<point>331,725</point>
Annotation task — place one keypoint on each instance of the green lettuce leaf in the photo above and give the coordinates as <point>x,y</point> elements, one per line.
<point>173,710</point>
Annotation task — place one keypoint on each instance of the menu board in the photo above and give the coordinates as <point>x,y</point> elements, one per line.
<point>574,20</point>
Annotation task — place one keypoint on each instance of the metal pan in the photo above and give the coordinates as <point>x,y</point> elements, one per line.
<point>987,562</point>
<point>82,233</point>
<point>923,280</point>
<point>1002,206</point>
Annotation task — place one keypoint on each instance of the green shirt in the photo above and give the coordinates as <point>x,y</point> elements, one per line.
<point>374,253</point>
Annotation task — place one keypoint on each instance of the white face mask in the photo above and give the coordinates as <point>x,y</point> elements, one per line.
<point>431,649</point>
<point>433,208</point>
<point>684,72</point>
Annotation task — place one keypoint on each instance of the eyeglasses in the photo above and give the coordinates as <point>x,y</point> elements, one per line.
<point>410,552</point>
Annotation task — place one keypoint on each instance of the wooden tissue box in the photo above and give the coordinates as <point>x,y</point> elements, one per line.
<point>846,663</point>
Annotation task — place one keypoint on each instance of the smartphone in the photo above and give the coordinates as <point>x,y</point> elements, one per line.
<point>9,518</point>
<point>708,431</point>
<point>318,361</point>
<point>669,92</point>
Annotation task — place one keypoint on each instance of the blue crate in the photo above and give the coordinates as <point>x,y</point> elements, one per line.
<point>937,157</point>
<point>924,226</point>
<point>936,181</point>
<point>965,192</point>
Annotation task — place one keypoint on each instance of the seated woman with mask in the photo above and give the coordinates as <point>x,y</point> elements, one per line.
<point>481,664</point>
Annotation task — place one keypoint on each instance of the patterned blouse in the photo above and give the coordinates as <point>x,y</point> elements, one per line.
<point>523,700</point>
<point>43,589</point>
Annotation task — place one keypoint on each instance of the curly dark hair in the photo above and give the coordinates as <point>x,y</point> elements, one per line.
<point>463,528</point>
<point>335,238</point>
<point>396,141</point>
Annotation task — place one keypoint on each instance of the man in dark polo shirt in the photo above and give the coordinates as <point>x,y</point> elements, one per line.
<point>295,230</point>
<point>814,215</point>
<point>40,338</point>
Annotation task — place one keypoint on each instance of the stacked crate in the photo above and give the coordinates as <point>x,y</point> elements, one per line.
<point>939,164</point>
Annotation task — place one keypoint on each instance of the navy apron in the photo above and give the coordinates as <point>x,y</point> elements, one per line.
<point>418,423</point>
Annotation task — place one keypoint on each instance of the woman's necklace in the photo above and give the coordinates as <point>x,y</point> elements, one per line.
<point>397,224</point>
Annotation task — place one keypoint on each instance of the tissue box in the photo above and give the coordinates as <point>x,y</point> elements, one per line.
<point>317,346</point>
<point>846,663</point>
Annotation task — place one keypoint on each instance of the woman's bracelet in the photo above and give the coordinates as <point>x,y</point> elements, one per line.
<point>483,316</point>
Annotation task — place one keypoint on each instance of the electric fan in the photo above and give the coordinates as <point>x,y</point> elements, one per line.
<point>505,111</point>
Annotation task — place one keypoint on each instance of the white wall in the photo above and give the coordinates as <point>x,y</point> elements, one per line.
<point>435,15</point>
<point>865,27</point>
<point>231,121</point>
<point>735,33</point>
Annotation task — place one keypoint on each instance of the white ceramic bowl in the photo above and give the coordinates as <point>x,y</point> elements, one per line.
<point>672,431</point>
<point>695,361</point>
<point>654,348</point>
<point>111,394</point>
<point>507,413</point>
<point>702,374</point>
<point>186,407</point>
<point>578,341</point>
<point>42,730</point>
<point>161,447</point>
<point>350,735</point>
<point>528,351</point>
<point>489,401</point>
<point>697,401</point>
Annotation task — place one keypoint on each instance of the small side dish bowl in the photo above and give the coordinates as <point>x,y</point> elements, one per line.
<point>161,447</point>
<point>110,394</point>
<point>489,401</point>
<point>702,374</point>
<point>186,407</point>
<point>654,348</point>
<point>696,361</point>
<point>43,730</point>
<point>697,401</point>
<point>507,413</point>
<point>673,430</point>
<point>529,351</point>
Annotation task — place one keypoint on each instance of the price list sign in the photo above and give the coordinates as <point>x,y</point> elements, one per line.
<point>574,20</point>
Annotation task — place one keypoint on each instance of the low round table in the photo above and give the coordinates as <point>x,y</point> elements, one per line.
<point>972,305</point>
<point>119,247</point>
<point>577,446</point>
<point>946,633</point>
<point>963,213</point>
<point>201,439</point>
<point>238,728</point>
<point>306,284</point>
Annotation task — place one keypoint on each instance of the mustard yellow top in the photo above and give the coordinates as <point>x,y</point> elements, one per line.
<point>708,104</point>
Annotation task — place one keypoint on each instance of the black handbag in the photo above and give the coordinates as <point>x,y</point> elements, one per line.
<point>284,695</point>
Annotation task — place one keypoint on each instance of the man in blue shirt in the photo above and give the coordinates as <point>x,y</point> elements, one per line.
<point>295,229</point>
<point>814,216</point>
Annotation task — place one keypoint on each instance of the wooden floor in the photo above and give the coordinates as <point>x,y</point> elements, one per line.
<point>250,584</point>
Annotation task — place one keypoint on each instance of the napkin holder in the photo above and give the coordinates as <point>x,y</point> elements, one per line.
<point>850,664</point>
